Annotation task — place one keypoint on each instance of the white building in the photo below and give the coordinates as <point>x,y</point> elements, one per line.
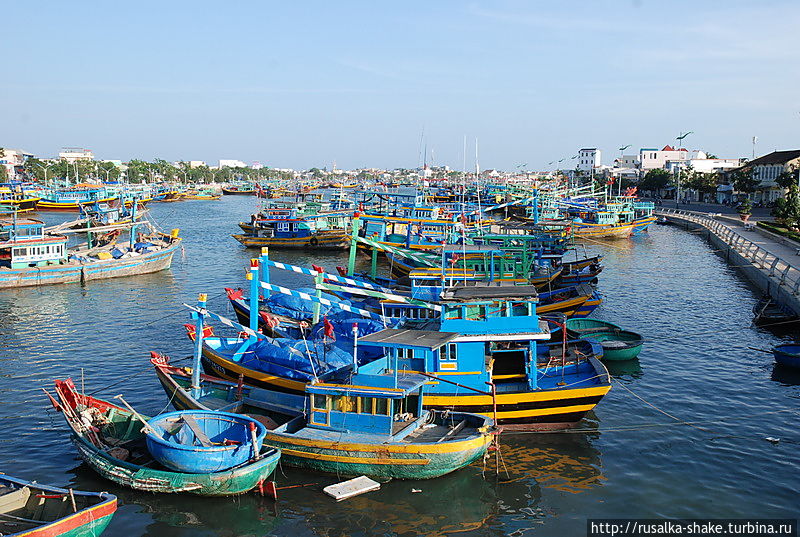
<point>653,159</point>
<point>231,164</point>
<point>589,159</point>
<point>72,154</point>
<point>13,160</point>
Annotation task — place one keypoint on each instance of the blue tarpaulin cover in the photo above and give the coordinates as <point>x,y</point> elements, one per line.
<point>289,358</point>
<point>296,308</point>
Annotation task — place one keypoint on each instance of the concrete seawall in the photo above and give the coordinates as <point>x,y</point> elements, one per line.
<point>769,261</point>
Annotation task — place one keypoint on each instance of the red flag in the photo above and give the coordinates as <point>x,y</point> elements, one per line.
<point>328,328</point>
<point>317,268</point>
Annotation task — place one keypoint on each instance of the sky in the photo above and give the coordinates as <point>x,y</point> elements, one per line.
<point>372,83</point>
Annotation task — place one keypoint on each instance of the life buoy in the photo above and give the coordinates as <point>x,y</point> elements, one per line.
<point>314,242</point>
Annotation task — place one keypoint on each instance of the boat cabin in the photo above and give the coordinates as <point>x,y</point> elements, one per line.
<point>485,333</point>
<point>385,405</point>
<point>23,244</point>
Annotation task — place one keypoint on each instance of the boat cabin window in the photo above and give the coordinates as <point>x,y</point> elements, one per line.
<point>319,402</point>
<point>448,353</point>
<point>343,403</point>
<point>283,226</point>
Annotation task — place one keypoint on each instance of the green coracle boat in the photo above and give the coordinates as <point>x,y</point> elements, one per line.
<point>588,325</point>
<point>618,345</point>
<point>110,440</point>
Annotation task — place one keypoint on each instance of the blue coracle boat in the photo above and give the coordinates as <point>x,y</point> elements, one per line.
<point>787,354</point>
<point>202,441</point>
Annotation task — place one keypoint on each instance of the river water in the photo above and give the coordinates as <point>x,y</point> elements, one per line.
<point>627,459</point>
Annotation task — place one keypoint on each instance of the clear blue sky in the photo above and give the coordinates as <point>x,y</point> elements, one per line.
<point>301,84</point>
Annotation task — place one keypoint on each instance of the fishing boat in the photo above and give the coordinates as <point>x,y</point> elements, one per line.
<point>71,199</point>
<point>204,441</point>
<point>30,257</point>
<point>238,191</point>
<point>787,354</point>
<point>356,428</point>
<point>291,228</point>
<point>109,438</point>
<point>204,194</point>
<point>618,344</point>
<point>13,197</point>
<point>766,312</point>
<point>581,327</point>
<point>30,509</point>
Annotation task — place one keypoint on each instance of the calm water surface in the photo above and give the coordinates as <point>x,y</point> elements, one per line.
<point>628,459</point>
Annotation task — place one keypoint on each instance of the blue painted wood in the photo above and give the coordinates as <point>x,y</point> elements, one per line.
<point>787,354</point>
<point>201,441</point>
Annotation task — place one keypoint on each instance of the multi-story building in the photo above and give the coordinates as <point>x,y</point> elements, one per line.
<point>13,160</point>
<point>589,159</point>
<point>653,159</point>
<point>767,169</point>
<point>72,154</point>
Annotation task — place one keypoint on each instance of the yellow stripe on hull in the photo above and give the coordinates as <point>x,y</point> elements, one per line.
<point>355,460</point>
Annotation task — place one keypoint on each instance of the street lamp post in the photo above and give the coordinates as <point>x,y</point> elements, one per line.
<point>45,172</point>
<point>680,138</point>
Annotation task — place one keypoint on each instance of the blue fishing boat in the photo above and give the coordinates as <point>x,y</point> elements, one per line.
<point>787,354</point>
<point>29,256</point>
<point>484,334</point>
<point>200,442</point>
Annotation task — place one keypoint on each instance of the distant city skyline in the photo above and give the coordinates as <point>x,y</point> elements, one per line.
<point>357,83</point>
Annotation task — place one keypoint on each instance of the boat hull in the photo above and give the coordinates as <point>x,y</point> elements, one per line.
<point>787,355</point>
<point>68,206</point>
<point>603,231</point>
<point>317,241</point>
<point>99,270</point>
<point>90,521</point>
<point>25,204</point>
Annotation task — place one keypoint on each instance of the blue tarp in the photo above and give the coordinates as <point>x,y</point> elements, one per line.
<point>289,358</point>
<point>297,308</point>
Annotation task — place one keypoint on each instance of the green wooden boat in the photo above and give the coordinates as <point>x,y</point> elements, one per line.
<point>109,438</point>
<point>580,327</point>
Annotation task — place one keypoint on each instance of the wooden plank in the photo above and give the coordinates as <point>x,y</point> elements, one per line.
<point>353,487</point>
<point>190,422</point>
<point>454,431</point>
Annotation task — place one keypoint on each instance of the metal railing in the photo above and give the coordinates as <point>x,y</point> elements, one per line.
<point>787,274</point>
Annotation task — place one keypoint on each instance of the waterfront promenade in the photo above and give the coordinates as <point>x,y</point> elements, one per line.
<point>768,260</point>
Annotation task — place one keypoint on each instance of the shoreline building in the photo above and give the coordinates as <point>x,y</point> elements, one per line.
<point>13,160</point>
<point>767,168</point>
<point>73,154</point>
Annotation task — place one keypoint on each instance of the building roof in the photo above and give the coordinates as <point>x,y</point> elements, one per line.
<point>776,157</point>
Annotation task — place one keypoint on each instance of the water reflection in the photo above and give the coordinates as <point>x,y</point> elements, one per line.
<point>631,369</point>
<point>459,502</point>
<point>788,376</point>
<point>563,461</point>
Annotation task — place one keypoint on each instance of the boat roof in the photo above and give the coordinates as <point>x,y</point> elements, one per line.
<point>365,385</point>
<point>400,337</point>
<point>462,293</point>
<point>471,248</point>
